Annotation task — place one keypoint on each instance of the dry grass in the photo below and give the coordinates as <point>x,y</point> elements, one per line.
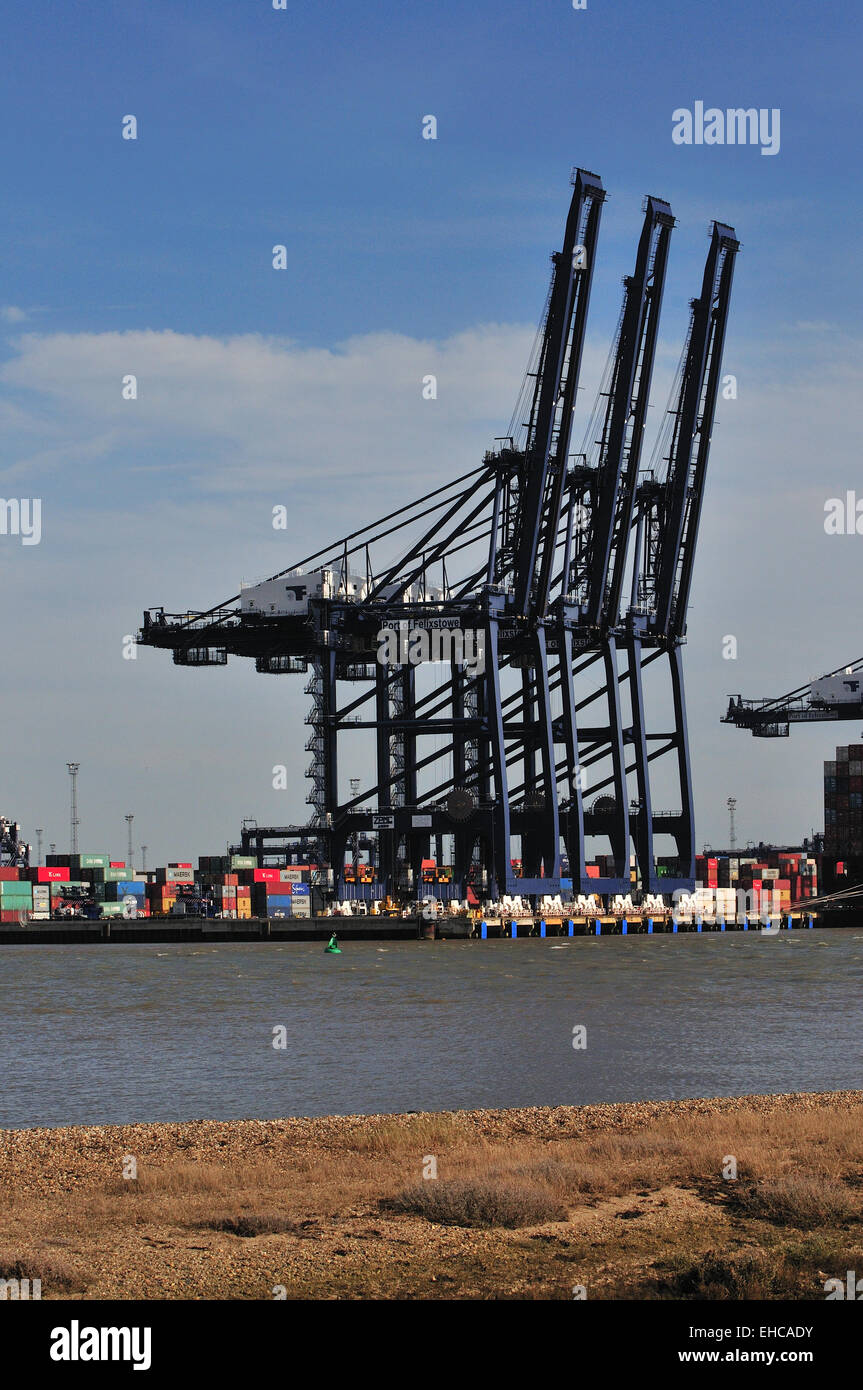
<point>54,1274</point>
<point>802,1199</point>
<point>483,1202</point>
<point>751,1274</point>
<point>400,1134</point>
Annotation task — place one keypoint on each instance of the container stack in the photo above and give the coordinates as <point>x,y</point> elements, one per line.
<point>277,892</point>
<point>16,894</point>
<point>843,801</point>
<point>775,882</point>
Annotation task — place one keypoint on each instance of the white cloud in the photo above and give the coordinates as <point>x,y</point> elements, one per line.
<point>167,499</point>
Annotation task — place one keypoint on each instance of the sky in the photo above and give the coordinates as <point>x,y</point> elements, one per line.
<point>301,387</point>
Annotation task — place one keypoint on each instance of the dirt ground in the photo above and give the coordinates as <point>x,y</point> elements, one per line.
<point>752,1197</point>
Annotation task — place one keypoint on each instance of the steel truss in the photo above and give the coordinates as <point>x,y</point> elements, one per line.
<point>537,742</point>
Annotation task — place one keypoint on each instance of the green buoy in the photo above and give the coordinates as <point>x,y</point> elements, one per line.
<point>332,947</point>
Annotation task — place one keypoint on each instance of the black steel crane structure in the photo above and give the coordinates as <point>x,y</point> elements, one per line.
<point>536,743</point>
<point>773,718</point>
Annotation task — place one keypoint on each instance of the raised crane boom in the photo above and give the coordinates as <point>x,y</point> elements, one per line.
<point>623,429</point>
<point>676,509</point>
<point>554,398</point>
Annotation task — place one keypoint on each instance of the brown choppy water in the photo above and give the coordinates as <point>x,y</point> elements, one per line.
<point>134,1033</point>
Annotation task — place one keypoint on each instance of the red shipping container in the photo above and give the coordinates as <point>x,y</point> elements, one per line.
<point>265,876</point>
<point>592,870</point>
<point>10,915</point>
<point>117,864</point>
<point>9,875</point>
<point>43,875</point>
<point>175,865</point>
<point>230,880</point>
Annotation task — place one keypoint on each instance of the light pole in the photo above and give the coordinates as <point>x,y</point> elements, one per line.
<point>143,857</point>
<point>73,773</point>
<point>130,857</point>
<point>731,803</point>
<point>39,834</point>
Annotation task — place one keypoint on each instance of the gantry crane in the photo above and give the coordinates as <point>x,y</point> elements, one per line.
<point>528,557</point>
<point>836,696</point>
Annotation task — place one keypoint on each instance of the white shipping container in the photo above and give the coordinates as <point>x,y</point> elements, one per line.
<point>301,907</point>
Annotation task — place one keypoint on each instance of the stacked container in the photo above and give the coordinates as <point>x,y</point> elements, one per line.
<point>843,801</point>
<point>16,896</point>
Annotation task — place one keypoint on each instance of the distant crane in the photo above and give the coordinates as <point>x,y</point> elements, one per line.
<point>836,696</point>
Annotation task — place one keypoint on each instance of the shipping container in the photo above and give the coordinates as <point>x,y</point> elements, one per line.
<point>243,861</point>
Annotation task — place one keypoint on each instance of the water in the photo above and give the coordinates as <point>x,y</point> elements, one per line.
<point>134,1033</point>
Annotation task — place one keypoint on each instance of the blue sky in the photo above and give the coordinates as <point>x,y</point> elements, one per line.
<point>303,127</point>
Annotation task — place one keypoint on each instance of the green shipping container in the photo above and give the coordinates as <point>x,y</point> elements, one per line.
<point>91,861</point>
<point>243,861</point>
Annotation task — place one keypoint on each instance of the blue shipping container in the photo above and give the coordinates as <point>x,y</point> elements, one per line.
<point>299,889</point>
<point>139,889</point>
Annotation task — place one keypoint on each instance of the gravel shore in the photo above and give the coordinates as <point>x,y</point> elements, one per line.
<point>45,1160</point>
<point>639,1183</point>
